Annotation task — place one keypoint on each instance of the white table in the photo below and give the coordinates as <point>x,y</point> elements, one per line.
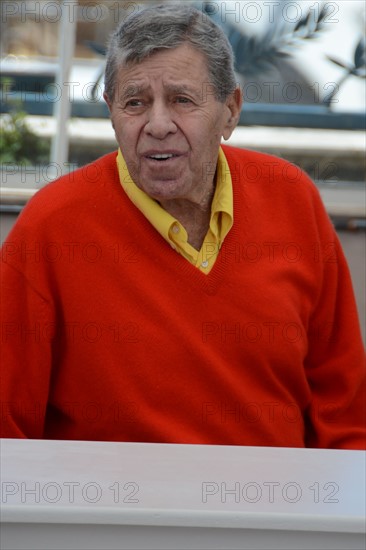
<point>93,495</point>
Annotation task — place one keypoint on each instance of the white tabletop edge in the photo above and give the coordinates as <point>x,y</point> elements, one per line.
<point>181,518</point>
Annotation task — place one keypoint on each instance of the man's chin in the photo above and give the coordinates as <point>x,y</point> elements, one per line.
<point>164,190</point>
<point>162,186</point>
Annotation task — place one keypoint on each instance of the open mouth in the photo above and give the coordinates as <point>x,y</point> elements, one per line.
<point>162,157</point>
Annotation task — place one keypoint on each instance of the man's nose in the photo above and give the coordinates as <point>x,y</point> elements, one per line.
<point>160,122</point>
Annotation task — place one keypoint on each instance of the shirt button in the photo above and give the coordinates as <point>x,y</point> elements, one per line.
<point>175,228</point>
<point>204,264</point>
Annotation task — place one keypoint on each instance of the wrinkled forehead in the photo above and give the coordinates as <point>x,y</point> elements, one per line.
<point>177,70</point>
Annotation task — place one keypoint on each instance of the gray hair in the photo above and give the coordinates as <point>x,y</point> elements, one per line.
<point>169,26</point>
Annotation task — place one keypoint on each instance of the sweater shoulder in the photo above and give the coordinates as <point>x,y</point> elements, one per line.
<point>276,188</point>
<point>238,157</point>
<point>68,200</point>
<point>81,186</point>
<point>269,173</point>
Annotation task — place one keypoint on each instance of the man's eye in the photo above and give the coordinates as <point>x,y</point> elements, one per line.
<point>183,100</point>
<point>134,103</point>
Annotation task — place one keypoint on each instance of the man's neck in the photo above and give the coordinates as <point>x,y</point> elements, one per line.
<point>194,217</point>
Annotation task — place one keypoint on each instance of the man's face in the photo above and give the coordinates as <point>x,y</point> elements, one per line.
<point>169,125</point>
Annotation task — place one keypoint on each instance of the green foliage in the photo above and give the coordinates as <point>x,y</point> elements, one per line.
<point>18,144</point>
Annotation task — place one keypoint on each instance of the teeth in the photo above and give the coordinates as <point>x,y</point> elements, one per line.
<point>168,156</point>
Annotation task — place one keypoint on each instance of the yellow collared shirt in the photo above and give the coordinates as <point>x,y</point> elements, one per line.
<point>172,230</point>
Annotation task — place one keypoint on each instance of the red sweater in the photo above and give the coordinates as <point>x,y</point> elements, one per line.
<point>109,334</point>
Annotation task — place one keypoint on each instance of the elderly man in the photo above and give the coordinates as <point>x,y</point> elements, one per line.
<point>179,291</point>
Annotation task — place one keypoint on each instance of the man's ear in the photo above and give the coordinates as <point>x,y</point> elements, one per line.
<point>233,104</point>
<point>108,101</point>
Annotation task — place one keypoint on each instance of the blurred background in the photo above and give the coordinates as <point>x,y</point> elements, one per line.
<point>301,65</point>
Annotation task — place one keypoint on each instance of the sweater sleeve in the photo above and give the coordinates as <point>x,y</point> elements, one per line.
<point>26,356</point>
<point>335,364</point>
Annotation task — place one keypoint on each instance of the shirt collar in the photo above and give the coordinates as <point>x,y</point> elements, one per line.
<point>221,208</point>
